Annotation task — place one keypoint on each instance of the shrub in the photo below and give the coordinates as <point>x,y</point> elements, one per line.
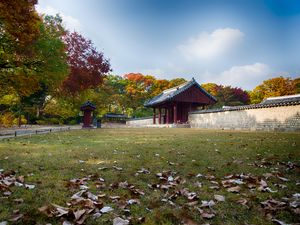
<point>54,121</point>
<point>72,122</point>
<point>16,120</point>
<point>41,122</point>
<point>7,119</point>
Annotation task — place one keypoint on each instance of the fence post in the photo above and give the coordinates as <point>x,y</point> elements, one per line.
<point>36,131</point>
<point>50,130</point>
<point>15,133</point>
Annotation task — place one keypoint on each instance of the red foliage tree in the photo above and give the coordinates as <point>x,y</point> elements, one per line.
<point>88,67</point>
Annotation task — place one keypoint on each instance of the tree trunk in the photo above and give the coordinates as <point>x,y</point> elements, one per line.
<point>37,112</point>
<point>19,121</point>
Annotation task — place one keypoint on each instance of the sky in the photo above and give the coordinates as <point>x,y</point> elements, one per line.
<point>230,42</point>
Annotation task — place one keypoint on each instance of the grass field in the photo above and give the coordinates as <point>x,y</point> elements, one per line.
<point>151,176</point>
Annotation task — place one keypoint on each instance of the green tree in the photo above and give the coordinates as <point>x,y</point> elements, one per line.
<point>37,75</point>
<point>53,67</point>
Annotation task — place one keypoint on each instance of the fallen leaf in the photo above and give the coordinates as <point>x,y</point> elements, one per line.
<point>207,215</point>
<point>15,217</point>
<point>78,214</point>
<point>7,193</point>
<point>102,168</point>
<point>133,201</point>
<point>219,198</point>
<point>273,205</point>
<point>283,179</point>
<point>143,170</point>
<point>263,183</point>
<point>207,203</point>
<point>77,195</point>
<point>242,201</point>
<point>29,186</point>
<point>47,210</point>
<point>91,196</point>
<point>198,184</point>
<point>199,175</point>
<point>279,222</point>
<point>120,221</point>
<point>60,211</point>
<point>114,197</point>
<point>96,215</point>
<point>106,209</point>
<point>117,168</point>
<point>235,189</point>
<point>214,187</point>
<point>18,200</point>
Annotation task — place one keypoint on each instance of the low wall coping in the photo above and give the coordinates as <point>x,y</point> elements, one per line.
<point>245,107</point>
<point>141,118</point>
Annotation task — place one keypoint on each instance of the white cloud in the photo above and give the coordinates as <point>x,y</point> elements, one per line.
<point>246,77</point>
<point>211,45</point>
<point>70,22</point>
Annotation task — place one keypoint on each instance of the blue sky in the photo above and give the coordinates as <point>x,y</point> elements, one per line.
<point>232,42</point>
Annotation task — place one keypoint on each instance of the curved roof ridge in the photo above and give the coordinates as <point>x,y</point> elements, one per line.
<point>176,87</point>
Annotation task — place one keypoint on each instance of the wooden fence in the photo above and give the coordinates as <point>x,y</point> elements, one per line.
<point>32,131</point>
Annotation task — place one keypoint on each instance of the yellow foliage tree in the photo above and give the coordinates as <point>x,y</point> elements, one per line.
<point>277,86</point>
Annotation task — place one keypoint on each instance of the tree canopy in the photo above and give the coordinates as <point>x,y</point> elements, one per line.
<point>88,67</point>
<point>277,86</point>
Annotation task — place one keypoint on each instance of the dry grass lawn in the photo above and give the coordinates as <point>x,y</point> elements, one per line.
<point>151,176</point>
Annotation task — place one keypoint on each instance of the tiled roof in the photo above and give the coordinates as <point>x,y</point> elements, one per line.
<point>282,99</point>
<point>87,104</point>
<point>169,94</point>
<point>269,102</point>
<point>115,115</point>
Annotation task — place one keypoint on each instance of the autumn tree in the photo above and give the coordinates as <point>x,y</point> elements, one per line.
<point>297,85</point>
<point>277,86</point>
<point>20,21</point>
<point>176,82</point>
<point>211,88</point>
<point>138,88</point>
<point>19,30</point>
<point>227,95</point>
<point>34,76</point>
<point>159,86</point>
<point>88,67</point>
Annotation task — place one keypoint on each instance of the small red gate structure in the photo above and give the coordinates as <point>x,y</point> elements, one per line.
<point>87,109</point>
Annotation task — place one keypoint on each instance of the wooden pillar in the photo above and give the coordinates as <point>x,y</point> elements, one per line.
<point>175,113</point>
<point>167,115</point>
<point>159,115</point>
<point>154,116</point>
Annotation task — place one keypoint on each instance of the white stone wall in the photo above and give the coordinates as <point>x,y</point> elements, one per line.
<point>283,118</point>
<point>143,122</point>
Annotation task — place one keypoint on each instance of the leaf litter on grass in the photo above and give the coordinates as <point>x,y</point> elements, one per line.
<point>175,190</point>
